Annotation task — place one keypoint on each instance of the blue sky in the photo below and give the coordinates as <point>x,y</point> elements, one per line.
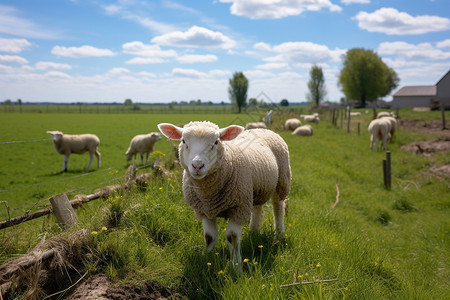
<point>173,50</point>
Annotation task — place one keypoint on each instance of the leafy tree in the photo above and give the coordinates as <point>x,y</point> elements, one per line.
<point>365,77</point>
<point>284,102</point>
<point>238,90</point>
<point>128,102</point>
<point>252,102</point>
<point>316,85</point>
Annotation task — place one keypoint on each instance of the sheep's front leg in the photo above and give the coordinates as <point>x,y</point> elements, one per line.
<point>211,233</point>
<point>233,235</point>
<point>99,163</point>
<point>91,157</point>
<point>66,161</point>
<point>256,219</point>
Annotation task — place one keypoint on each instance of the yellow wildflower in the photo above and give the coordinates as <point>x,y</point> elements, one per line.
<point>217,253</point>
<point>94,232</point>
<point>246,260</point>
<point>318,265</point>
<point>208,263</point>
<point>255,263</point>
<point>220,272</point>
<point>104,228</point>
<point>260,246</point>
<point>160,188</point>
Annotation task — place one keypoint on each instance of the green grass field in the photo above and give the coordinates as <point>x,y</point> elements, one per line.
<point>377,243</point>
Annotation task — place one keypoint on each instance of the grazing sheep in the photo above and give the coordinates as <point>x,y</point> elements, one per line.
<point>385,114</point>
<point>355,114</point>
<point>231,173</point>
<point>142,143</point>
<point>393,127</point>
<point>76,143</point>
<point>314,118</point>
<point>254,125</point>
<point>291,124</point>
<point>305,130</point>
<point>379,129</point>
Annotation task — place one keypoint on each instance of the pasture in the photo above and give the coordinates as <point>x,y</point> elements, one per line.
<point>377,243</point>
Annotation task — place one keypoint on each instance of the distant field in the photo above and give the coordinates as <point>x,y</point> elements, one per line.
<point>377,243</point>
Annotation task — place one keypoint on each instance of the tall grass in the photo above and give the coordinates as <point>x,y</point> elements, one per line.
<point>377,243</point>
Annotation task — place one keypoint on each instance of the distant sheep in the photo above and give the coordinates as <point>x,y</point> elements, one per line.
<point>291,124</point>
<point>385,114</point>
<point>379,129</point>
<point>355,114</point>
<point>67,144</point>
<point>305,130</point>
<point>254,125</point>
<point>231,173</point>
<point>314,118</point>
<point>142,143</point>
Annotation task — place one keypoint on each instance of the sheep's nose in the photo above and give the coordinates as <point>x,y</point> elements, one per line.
<point>198,166</point>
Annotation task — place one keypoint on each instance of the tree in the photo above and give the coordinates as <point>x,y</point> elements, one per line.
<point>128,102</point>
<point>284,102</point>
<point>316,85</point>
<point>238,90</point>
<point>365,77</point>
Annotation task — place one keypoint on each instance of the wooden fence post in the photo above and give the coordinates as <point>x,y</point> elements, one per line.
<point>443,116</point>
<point>388,168</point>
<point>348,119</point>
<point>359,129</point>
<point>63,210</point>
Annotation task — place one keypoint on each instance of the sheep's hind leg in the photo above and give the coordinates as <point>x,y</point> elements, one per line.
<point>91,157</point>
<point>66,161</point>
<point>211,233</point>
<point>278,215</point>
<point>256,219</point>
<point>233,235</point>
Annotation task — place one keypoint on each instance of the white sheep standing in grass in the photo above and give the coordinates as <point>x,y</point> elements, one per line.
<point>305,130</point>
<point>142,144</point>
<point>379,129</point>
<point>392,128</point>
<point>385,114</point>
<point>231,173</point>
<point>291,124</point>
<point>67,144</point>
<point>253,125</point>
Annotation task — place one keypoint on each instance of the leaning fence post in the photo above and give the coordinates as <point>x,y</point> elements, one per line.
<point>63,210</point>
<point>388,168</point>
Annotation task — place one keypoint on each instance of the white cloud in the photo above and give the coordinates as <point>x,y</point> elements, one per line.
<point>422,51</point>
<point>145,61</point>
<point>57,75</point>
<point>348,2</point>
<point>195,37</point>
<point>299,53</point>
<point>220,73</point>
<point>258,74</point>
<point>146,74</point>
<point>190,73</point>
<point>81,52</point>
<point>194,58</point>
<point>277,9</point>
<point>13,59</point>
<point>13,24</point>
<point>141,49</point>
<point>443,44</point>
<point>13,45</point>
<point>118,71</point>
<point>272,66</point>
<point>45,65</point>
<point>391,21</point>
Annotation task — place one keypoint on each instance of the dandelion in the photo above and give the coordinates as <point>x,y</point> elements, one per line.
<point>246,260</point>
<point>260,246</point>
<point>217,253</point>
<point>209,264</point>
<point>169,178</point>
<point>104,228</point>
<point>263,286</point>
<point>290,225</point>
<point>94,232</point>
<point>160,188</point>
<point>318,265</point>
<point>220,272</point>
<point>346,289</point>
<point>255,263</point>
<point>240,239</point>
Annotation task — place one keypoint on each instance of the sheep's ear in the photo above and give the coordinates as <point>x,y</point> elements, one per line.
<point>171,131</point>
<point>230,132</point>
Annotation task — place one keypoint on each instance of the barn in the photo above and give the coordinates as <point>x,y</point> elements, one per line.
<point>424,95</point>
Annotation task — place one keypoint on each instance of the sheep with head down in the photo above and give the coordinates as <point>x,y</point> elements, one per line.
<point>142,144</point>
<point>291,124</point>
<point>67,144</point>
<point>231,173</point>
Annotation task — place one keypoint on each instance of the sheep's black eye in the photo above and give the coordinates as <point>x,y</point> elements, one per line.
<point>183,141</point>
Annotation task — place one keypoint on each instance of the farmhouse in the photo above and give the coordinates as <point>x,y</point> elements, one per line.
<point>424,95</point>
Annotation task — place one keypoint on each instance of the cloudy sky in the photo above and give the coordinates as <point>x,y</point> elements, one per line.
<point>173,50</point>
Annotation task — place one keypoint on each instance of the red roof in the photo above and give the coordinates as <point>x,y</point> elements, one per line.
<point>417,90</point>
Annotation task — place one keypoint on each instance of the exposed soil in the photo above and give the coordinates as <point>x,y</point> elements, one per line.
<point>98,287</point>
<point>428,147</point>
<point>432,127</point>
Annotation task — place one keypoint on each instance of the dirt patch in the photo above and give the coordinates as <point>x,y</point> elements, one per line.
<point>442,171</point>
<point>430,126</point>
<point>428,147</point>
<point>98,287</point>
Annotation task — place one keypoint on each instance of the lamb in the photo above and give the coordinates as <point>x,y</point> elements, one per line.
<point>254,125</point>
<point>291,124</point>
<point>231,173</point>
<point>142,143</point>
<point>379,129</point>
<point>76,143</point>
<point>355,114</point>
<point>305,130</point>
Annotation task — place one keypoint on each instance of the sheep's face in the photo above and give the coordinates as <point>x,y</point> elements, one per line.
<point>56,135</point>
<point>200,144</point>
